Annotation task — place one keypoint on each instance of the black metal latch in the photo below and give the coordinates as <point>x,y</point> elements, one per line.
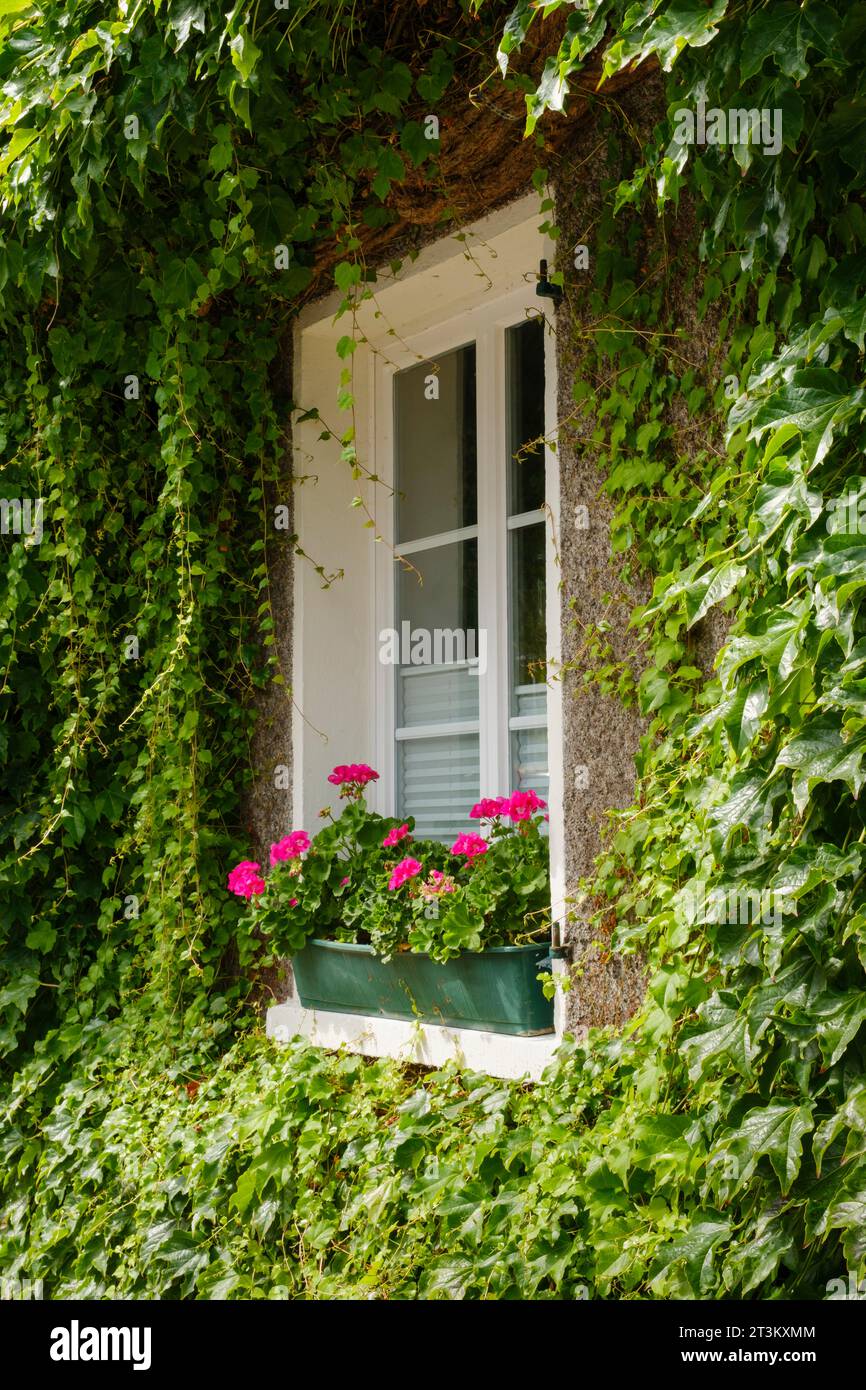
<point>545,288</point>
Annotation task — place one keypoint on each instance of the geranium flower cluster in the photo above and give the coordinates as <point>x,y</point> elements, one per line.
<point>518,806</point>
<point>245,879</point>
<point>436,882</point>
<point>522,805</point>
<point>351,778</point>
<point>406,869</point>
<point>290,847</point>
<point>469,846</point>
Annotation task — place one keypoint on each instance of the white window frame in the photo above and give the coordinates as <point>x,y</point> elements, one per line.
<point>485,325</point>
<point>343,697</point>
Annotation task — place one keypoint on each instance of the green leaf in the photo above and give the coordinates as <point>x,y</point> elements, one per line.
<point>836,1019</point>
<point>775,1132</point>
<point>814,397</point>
<point>184,16</point>
<point>41,937</point>
<point>785,32</point>
<point>245,54</point>
<point>819,754</point>
<point>711,589</point>
<point>346,274</point>
<point>694,1250</point>
<point>721,1037</point>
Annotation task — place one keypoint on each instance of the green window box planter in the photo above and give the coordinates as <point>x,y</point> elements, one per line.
<point>495,990</point>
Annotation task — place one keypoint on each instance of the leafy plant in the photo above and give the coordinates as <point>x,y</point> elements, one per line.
<point>365,878</point>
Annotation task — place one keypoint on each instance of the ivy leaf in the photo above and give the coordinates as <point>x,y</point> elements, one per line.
<point>346,274</point>
<point>743,717</point>
<point>245,1189</point>
<point>22,139</point>
<point>836,1020</point>
<point>245,54</point>
<point>183,17</point>
<point>785,32</point>
<point>413,140</point>
<point>820,754</point>
<point>711,589</point>
<point>514,32</point>
<point>41,937</point>
<point>775,1132</point>
<point>389,166</point>
<point>753,1261</point>
<point>182,280</point>
<point>682,24</point>
<point>850,1118</point>
<point>844,133</point>
<point>748,805</point>
<point>272,216</point>
<point>20,990</point>
<point>810,401</point>
<point>848,1214</point>
<point>694,1249</point>
<point>722,1035</point>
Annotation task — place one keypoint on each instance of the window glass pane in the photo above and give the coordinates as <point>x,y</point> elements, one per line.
<point>436,695</point>
<point>434,418</point>
<point>529,770</point>
<point>446,595</point>
<point>437,783</point>
<point>528,631</point>
<point>524,355</point>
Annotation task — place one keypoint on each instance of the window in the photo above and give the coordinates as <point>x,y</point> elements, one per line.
<point>461,490</point>
<point>467,590</point>
<point>526,558</point>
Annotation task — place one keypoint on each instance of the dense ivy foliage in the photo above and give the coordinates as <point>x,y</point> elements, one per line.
<point>158,168</point>
<point>717,1148</point>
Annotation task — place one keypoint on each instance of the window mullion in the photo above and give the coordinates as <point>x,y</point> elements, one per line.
<point>492,569</point>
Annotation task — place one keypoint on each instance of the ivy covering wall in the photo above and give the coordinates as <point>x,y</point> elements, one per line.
<point>173,179</point>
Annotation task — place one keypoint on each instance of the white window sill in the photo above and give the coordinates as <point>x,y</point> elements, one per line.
<point>430,1044</point>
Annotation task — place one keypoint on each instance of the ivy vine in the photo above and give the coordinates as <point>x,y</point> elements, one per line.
<point>169,177</point>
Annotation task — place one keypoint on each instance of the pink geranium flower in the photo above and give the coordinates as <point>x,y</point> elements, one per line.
<point>290,847</point>
<point>469,846</point>
<point>245,879</point>
<point>406,869</point>
<point>353,774</point>
<point>437,883</point>
<point>399,832</point>
<point>521,805</point>
<point>488,807</point>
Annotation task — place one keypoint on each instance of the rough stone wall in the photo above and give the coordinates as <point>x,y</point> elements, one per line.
<point>267,807</point>
<point>601,736</point>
